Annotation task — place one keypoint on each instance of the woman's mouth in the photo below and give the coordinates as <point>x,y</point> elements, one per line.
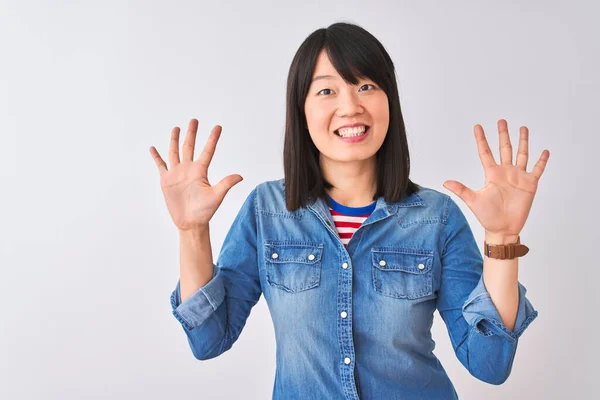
<point>352,136</point>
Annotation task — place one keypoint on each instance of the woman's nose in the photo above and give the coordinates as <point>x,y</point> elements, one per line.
<point>349,105</point>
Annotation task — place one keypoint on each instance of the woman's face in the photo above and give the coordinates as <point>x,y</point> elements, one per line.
<point>332,103</point>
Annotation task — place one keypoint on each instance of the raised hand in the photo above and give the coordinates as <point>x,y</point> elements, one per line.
<point>503,204</point>
<point>190,198</point>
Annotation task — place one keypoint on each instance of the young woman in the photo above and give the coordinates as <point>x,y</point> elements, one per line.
<point>353,258</point>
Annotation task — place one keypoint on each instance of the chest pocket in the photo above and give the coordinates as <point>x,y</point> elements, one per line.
<point>402,273</point>
<point>293,266</point>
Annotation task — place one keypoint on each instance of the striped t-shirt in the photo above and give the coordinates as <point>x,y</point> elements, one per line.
<point>348,219</point>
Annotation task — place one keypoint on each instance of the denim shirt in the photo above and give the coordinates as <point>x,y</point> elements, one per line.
<point>355,322</point>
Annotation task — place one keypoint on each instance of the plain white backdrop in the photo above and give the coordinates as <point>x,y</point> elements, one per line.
<point>89,254</point>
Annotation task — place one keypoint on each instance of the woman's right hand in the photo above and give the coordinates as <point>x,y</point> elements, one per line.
<point>190,198</point>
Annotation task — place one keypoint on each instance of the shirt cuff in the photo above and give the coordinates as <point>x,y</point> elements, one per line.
<point>480,312</point>
<point>201,304</point>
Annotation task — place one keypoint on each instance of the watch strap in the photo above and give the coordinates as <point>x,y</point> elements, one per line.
<point>505,251</point>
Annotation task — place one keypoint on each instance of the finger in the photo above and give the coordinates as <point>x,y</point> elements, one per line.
<point>190,140</point>
<point>466,194</point>
<point>485,154</point>
<point>174,147</point>
<point>209,148</point>
<point>160,163</point>
<point>523,151</point>
<point>505,146</point>
<point>227,183</point>
<point>540,166</point>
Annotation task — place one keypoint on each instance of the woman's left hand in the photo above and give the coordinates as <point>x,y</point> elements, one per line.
<point>503,204</point>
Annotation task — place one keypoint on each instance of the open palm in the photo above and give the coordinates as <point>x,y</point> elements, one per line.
<point>190,198</point>
<point>503,204</point>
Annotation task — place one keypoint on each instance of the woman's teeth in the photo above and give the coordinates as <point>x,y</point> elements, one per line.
<point>352,132</point>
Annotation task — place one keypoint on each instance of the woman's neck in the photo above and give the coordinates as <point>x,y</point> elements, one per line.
<point>354,184</point>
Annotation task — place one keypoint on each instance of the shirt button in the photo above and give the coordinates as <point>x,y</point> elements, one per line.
<point>274,255</point>
<point>347,360</point>
<point>311,257</point>
<point>344,314</point>
<point>382,263</point>
<point>421,266</point>
<point>345,265</point>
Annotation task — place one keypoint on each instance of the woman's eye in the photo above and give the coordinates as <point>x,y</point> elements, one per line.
<point>368,84</point>
<point>323,90</point>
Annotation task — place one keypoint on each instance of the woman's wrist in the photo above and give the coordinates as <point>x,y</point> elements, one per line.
<point>500,238</point>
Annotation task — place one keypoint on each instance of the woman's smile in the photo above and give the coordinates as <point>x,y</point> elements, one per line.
<point>354,136</point>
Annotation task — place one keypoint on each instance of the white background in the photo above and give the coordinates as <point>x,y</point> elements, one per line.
<point>88,252</point>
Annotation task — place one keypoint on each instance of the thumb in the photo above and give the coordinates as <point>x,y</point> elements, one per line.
<point>227,183</point>
<point>467,195</point>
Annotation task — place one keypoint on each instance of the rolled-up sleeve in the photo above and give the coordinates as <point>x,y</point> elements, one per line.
<point>481,341</point>
<point>481,313</point>
<point>201,304</point>
<point>213,317</point>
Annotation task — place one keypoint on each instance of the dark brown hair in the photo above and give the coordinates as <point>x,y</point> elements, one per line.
<point>354,53</point>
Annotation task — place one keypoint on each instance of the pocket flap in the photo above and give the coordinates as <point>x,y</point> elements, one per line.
<point>411,261</point>
<point>306,253</point>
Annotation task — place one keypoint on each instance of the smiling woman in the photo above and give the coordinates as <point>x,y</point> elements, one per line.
<point>353,258</point>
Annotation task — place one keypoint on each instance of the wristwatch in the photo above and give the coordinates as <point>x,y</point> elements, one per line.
<point>505,251</point>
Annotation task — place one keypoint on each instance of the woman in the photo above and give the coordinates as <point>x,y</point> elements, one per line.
<point>353,258</point>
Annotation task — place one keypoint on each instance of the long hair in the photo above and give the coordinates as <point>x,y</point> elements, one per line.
<point>354,53</point>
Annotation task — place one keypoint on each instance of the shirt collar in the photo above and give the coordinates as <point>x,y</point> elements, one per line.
<point>382,209</point>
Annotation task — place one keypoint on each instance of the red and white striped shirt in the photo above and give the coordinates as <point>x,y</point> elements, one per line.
<point>348,219</point>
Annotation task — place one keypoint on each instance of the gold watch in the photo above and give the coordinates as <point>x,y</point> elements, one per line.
<point>505,251</point>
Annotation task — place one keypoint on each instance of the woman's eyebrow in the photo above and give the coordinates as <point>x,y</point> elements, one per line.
<point>316,78</point>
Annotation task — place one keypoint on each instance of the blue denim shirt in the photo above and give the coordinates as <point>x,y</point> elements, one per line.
<point>355,322</point>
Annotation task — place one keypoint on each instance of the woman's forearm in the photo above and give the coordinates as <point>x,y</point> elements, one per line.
<point>501,279</point>
<point>196,261</point>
